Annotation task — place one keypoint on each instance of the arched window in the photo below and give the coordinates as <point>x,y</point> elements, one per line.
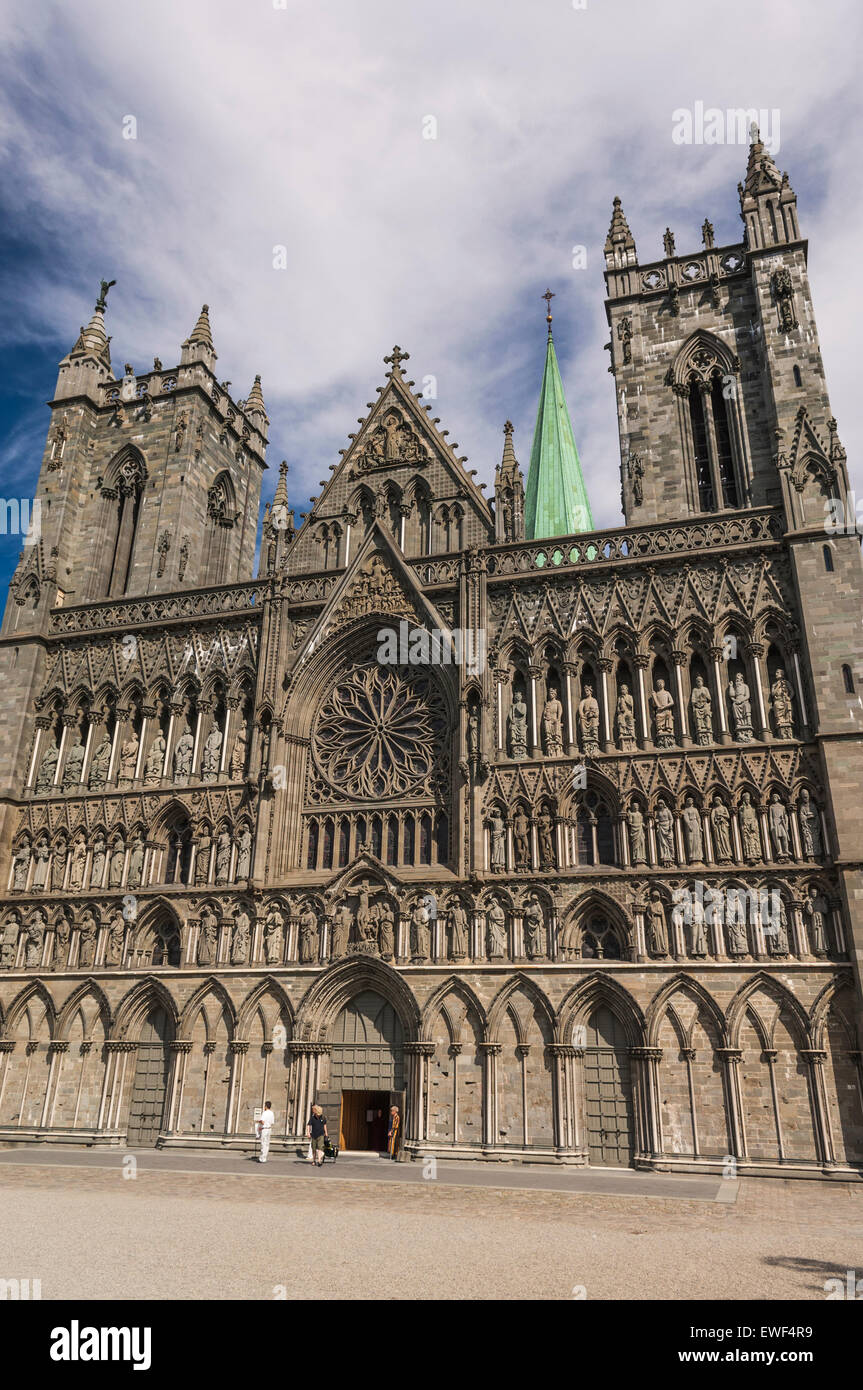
<point>701,452</point>
<point>221,519</point>
<point>700,376</point>
<point>724,455</point>
<point>798,380</point>
<point>600,941</point>
<point>848,678</point>
<point>122,493</point>
<point>828,559</point>
<point>312,857</point>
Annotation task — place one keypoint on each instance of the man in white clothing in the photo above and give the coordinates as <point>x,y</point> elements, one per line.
<point>265,1129</point>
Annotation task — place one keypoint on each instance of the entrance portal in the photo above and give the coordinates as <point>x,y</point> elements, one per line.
<point>364,1120</point>
<point>151,1079</point>
<point>608,1091</point>
<point>366,1068</point>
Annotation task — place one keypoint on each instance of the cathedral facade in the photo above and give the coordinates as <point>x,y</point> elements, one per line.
<point>551,835</point>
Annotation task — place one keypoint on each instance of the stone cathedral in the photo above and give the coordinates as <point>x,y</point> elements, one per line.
<point>550,834</point>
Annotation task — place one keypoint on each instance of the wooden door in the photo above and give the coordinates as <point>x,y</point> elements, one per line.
<point>608,1091</point>
<point>147,1106</point>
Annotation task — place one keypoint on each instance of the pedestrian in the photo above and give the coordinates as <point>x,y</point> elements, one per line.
<point>317,1132</point>
<point>265,1130</point>
<point>393,1133</point>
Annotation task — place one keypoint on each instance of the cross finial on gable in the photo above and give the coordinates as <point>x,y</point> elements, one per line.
<point>397,357</point>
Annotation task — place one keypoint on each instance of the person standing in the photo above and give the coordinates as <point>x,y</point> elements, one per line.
<point>394,1133</point>
<point>265,1130</point>
<point>317,1132</point>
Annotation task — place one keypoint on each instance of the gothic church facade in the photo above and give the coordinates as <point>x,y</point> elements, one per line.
<point>593,895</point>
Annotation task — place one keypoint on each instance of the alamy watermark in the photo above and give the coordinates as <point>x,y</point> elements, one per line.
<point>748,906</point>
<point>736,125</point>
<point>419,646</point>
<point>16,519</point>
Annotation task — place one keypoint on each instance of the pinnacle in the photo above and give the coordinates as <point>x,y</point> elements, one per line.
<point>280,497</point>
<point>255,400</point>
<point>762,174</point>
<point>509,462</point>
<point>618,232</point>
<point>202,332</point>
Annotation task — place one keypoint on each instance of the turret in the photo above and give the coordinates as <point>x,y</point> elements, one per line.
<point>508,493</point>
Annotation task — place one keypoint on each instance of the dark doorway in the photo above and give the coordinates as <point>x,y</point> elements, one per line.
<point>147,1106</point>
<point>364,1120</point>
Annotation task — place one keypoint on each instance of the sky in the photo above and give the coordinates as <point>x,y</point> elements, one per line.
<point>428,169</point>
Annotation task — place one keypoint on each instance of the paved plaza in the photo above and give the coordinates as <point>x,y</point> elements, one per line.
<point>214,1226</point>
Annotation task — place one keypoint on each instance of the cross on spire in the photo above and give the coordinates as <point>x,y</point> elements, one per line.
<point>548,297</point>
<point>397,357</point>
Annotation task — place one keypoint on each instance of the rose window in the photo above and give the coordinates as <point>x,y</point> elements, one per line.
<point>379,733</point>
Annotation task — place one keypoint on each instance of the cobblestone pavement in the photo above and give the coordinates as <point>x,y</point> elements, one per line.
<point>88,1232</point>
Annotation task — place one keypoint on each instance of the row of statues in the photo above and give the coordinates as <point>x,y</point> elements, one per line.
<point>108,863</point>
<point>153,770</point>
<point>35,930</point>
<point>719,817</point>
<point>521,840</point>
<point>732,927</point>
<point>662,707</point>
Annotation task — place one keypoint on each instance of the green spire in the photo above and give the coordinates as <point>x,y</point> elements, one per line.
<point>556,503</point>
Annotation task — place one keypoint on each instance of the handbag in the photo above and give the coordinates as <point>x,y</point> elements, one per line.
<point>311,1154</point>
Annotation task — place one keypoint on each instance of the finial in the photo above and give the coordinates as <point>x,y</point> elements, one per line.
<point>508,427</point>
<point>548,297</point>
<point>105,285</point>
<point>397,357</point>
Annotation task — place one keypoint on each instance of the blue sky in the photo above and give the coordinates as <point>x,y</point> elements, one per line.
<point>263,124</point>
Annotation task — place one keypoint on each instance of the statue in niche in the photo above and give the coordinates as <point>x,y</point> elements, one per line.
<point>534,929</point>
<point>223,856</point>
<point>495,931</point>
<point>117,864</point>
<point>386,929</point>
<point>211,755</point>
<point>41,854</point>
<point>458,930</point>
<point>240,937</point>
<point>208,937</point>
<point>699,928</point>
<point>183,755</point>
<point>552,725</point>
<point>238,754</point>
<point>343,921</point>
<point>815,907</point>
<point>115,940</point>
<point>274,936</point>
<point>662,704</point>
<point>35,940</point>
<point>419,930</point>
<point>244,853</point>
<point>155,761</point>
<point>497,828</point>
<point>517,726</point>
<point>309,933</point>
<point>626,720</point>
<point>692,832</point>
<point>62,932</point>
<point>780,830</point>
<point>521,839</point>
<point>635,822</point>
<point>21,867</point>
<point>129,759</point>
<point>79,860</point>
<point>657,930</point>
<point>720,824</point>
<point>366,916</point>
<point>58,865</point>
<point>473,734</point>
<point>810,826</point>
<point>665,834</point>
<point>74,765</point>
<point>47,770</point>
<point>588,720</point>
<point>9,944</point>
<point>136,862</point>
<point>702,712</point>
<point>87,934</point>
<point>781,696</point>
<point>99,765</point>
<point>738,939</point>
<point>545,833</point>
<point>202,857</point>
<point>750,833</point>
<point>741,708</point>
<point>777,934</point>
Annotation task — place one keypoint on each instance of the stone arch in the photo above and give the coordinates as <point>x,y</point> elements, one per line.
<point>338,985</point>
<point>195,1006</point>
<point>138,1002</point>
<point>519,984</point>
<point>32,1025</point>
<point>34,990</point>
<point>577,920</point>
<point>588,995</point>
<point>780,994</point>
<point>681,982</point>
<point>268,988</point>
<point>87,989</point>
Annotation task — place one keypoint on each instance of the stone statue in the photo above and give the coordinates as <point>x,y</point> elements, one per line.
<point>386,930</point>
<point>741,709</point>
<point>41,855</point>
<point>496,931</point>
<point>665,834</point>
<point>702,711</point>
<point>517,725</point>
<point>521,839</point>
<point>74,765</point>
<point>419,931</point>
<point>625,720</point>
<point>9,944</point>
<point>657,930</point>
<point>780,830</point>
<point>815,907</point>
<point>343,921</point>
<point>136,863</point>
<point>115,940</point>
<point>238,754</point>
<point>692,834</point>
<point>588,721</point>
<point>274,936</point>
<point>240,938</point>
<point>777,934</point>
<point>720,824</point>
<point>810,826</point>
<point>183,755</point>
<point>211,756</point>
<point>129,759</point>
<point>97,868</point>
<point>47,770</point>
<point>35,940</point>
<point>781,696</point>
<point>155,761</point>
<point>635,822</point>
<point>202,857</point>
<point>117,865</point>
<point>552,725</point>
<point>473,734</point>
<point>62,932</point>
<point>458,930</point>
<point>87,934</point>
<point>58,865</point>
<point>497,828</point>
<point>208,937</point>
<point>223,856</point>
<point>309,935</point>
<point>244,853</point>
<point>738,939</point>
<point>99,765</point>
<point>534,929</point>
<point>21,862</point>
<point>699,928</point>
<point>750,833</point>
<point>545,834</point>
<point>662,704</point>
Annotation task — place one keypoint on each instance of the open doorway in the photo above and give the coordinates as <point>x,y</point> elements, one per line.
<point>364,1120</point>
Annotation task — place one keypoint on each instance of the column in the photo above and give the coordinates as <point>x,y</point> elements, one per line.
<point>570,669</point>
<point>640,661</point>
<point>180,1049</point>
<point>730,1057</point>
<point>204,707</point>
<point>719,694</point>
<point>534,672</point>
<point>815,1059</point>
<point>648,1126</point>
<point>42,722</point>
<point>756,651</point>
<point>803,713</point>
<point>238,1047</point>
<point>491,1052</point>
<point>679,659</point>
<point>604,665</point>
<point>120,717</point>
